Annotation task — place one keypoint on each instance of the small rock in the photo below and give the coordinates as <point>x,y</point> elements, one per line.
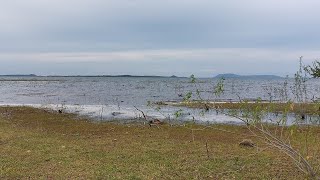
<point>247,143</point>
<point>157,121</point>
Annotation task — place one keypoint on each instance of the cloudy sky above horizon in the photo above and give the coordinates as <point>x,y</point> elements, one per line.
<point>157,37</point>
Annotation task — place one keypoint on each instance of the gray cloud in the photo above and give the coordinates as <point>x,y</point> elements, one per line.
<point>276,28</point>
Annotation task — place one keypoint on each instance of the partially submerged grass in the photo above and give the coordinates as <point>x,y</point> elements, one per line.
<point>306,108</point>
<point>36,143</point>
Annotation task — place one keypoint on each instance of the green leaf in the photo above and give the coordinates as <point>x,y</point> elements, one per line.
<point>187,96</point>
<point>193,79</point>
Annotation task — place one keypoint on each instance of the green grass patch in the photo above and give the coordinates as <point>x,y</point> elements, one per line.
<point>40,144</point>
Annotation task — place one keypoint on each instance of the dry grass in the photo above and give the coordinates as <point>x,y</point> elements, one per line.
<point>39,144</point>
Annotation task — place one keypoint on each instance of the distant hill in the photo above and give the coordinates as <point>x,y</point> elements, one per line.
<point>236,76</point>
<point>20,75</point>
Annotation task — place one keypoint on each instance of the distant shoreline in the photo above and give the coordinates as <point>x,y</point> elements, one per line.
<point>229,76</point>
<point>134,76</point>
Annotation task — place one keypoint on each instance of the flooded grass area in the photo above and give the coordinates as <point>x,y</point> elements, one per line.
<point>39,143</point>
<point>307,108</point>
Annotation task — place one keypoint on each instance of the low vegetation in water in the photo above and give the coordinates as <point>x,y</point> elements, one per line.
<point>253,114</point>
<point>35,144</point>
<point>274,107</point>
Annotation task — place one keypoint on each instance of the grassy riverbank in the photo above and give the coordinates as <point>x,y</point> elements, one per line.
<point>37,144</point>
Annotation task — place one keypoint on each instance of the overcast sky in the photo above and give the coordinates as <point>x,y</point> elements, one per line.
<point>157,37</point>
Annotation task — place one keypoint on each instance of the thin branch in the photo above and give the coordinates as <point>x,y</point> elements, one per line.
<point>144,116</point>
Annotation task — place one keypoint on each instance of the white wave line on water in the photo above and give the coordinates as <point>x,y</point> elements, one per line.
<point>113,112</point>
